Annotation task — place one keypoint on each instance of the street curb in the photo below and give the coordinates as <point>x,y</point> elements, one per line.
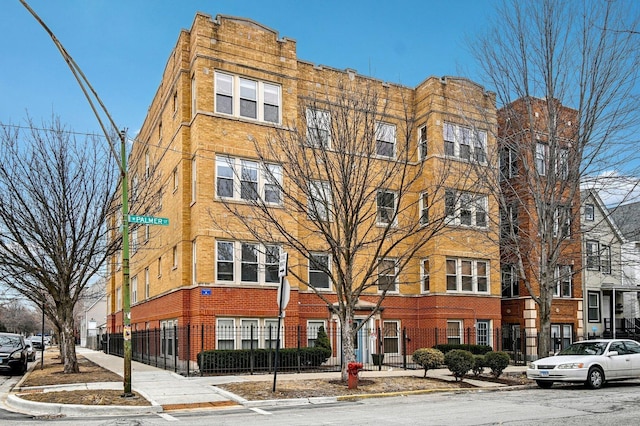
<point>73,410</point>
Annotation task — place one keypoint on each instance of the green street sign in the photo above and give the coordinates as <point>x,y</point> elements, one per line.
<point>149,220</point>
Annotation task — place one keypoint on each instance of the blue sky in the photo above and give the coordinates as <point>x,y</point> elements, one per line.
<point>122,46</point>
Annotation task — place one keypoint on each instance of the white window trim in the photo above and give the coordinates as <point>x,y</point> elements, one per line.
<point>423,146</point>
<point>262,89</point>
<point>394,273</point>
<point>589,208</point>
<point>474,275</point>
<point>394,214</point>
<point>146,283</point>
<point>239,332</point>
<point>455,325</point>
<point>134,289</point>
<point>320,201</point>
<point>542,155</point>
<point>263,176</point>
<point>318,122</point>
<point>476,141</point>
<point>386,132</point>
<point>398,331</point>
<point>423,212</point>
<point>475,202</point>
<point>309,270</point>
<point>312,330</point>
<point>237,263</point>
<point>557,290</point>
<point>424,275</point>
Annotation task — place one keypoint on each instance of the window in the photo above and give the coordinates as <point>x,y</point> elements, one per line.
<point>483,332</point>
<point>147,233</point>
<point>175,101</point>
<point>467,275</point>
<point>193,180</point>
<point>249,263</point>
<point>391,337</point>
<point>465,142</point>
<point>561,336</point>
<point>425,272</point>
<point>319,271</point>
<point>387,275</point>
<point>593,306</point>
<point>509,221</point>
<point>385,140</point>
<point>424,209</point>
<point>194,95</point>
<point>225,334</point>
<point>256,333</point>
<point>134,240</point>
<point>249,333</point>
<point>454,332</point>
<point>146,283</point>
<point>422,143</point>
<point>509,275</point>
<point>541,158</point>
<point>466,208</point>
<point>593,255</point>
<point>563,281</point>
<point>318,128</point>
<point>174,263</point>
<point>562,163</point>
<point>562,222</point>
<point>246,98</point>
<point>319,202</point>
<point>147,165</point>
<point>508,163</point>
<point>256,263</point>
<point>386,201</point>
<point>134,289</point>
<point>589,212</point>
<point>246,180</point>
<point>312,331</point>
<point>605,259</point>
<point>159,267</point>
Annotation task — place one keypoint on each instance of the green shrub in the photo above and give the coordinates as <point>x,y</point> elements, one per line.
<point>474,349</point>
<point>459,362</point>
<point>478,365</point>
<point>497,362</point>
<point>322,342</point>
<point>428,358</point>
<point>246,360</point>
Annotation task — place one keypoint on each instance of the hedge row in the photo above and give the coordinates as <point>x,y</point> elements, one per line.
<point>474,349</point>
<point>239,360</point>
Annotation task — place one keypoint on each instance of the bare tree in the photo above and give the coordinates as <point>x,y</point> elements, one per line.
<point>564,76</point>
<point>353,197</point>
<point>55,193</point>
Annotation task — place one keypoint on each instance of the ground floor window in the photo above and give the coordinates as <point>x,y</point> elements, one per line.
<point>391,336</point>
<point>483,332</point>
<point>561,336</point>
<point>312,331</point>
<point>593,307</point>
<point>169,337</point>
<point>247,333</point>
<point>454,332</point>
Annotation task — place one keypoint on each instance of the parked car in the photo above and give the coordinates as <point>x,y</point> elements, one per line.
<point>31,352</point>
<point>37,342</point>
<point>592,362</point>
<point>13,353</point>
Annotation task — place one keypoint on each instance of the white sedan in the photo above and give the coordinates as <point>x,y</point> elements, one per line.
<point>591,362</point>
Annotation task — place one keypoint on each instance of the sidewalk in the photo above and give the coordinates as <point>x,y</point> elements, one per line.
<point>170,391</point>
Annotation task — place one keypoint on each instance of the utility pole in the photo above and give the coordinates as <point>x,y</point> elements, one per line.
<point>126,296</point>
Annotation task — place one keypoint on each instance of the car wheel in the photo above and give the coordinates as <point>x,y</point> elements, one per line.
<point>544,384</point>
<point>595,378</point>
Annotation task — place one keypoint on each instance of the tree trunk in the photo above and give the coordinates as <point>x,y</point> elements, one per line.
<point>544,335</point>
<point>68,341</point>
<point>348,347</point>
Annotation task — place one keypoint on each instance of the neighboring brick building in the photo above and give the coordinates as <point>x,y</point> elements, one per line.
<point>538,172</point>
<point>231,80</point>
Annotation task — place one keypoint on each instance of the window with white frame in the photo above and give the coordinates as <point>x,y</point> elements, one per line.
<point>225,333</point>
<point>385,140</point>
<point>454,332</point>
<point>605,259</point>
<point>146,283</point>
<point>174,262</point>
<point>247,333</point>
<point>465,142</point>
<point>425,276</point>
<point>509,275</point>
<point>562,222</point>
<point>246,262</point>
<point>483,332</point>
<point>508,163</point>
<point>593,306</point>
<point>134,289</point>
<point>391,337</point>
<point>467,275</point>
<point>193,180</point>
<point>247,98</point>
<point>589,212</point>
<point>312,331</point>
<point>320,200</point>
<point>509,221</point>
<point>422,143</point>
<point>562,163</point>
<point>563,276</point>
<point>147,233</point>
<point>134,240</point>
<point>386,201</point>
<point>246,180</point>
<point>542,152</point>
<point>318,128</point>
<point>466,208</point>
<point>319,269</point>
<point>424,208</point>
<point>387,275</point>
<point>593,255</point>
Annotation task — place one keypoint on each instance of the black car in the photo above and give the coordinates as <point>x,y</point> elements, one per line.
<point>13,353</point>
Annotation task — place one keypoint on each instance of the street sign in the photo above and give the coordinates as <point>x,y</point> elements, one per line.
<point>148,220</point>
<point>205,291</point>
<point>284,292</point>
<point>282,267</point>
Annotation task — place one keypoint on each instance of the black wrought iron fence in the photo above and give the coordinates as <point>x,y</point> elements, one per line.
<point>206,349</point>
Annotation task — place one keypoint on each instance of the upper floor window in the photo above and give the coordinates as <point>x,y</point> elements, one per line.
<point>509,275</point>
<point>422,143</point>
<point>247,262</point>
<point>563,275</point>
<point>319,269</point>
<point>464,142</point>
<point>424,209</point>
<point>466,208</point>
<point>562,222</point>
<point>247,98</point>
<point>589,212</point>
<point>386,201</point>
<point>386,140</point>
<point>562,163</point>
<point>247,180</point>
<point>542,152</point>
<point>425,273</point>
<point>467,275</point>
<point>319,202</point>
<point>318,128</point>
<point>387,273</point>
<point>593,255</point>
<point>508,163</point>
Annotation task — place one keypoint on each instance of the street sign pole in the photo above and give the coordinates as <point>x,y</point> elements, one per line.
<point>282,272</point>
<point>126,297</point>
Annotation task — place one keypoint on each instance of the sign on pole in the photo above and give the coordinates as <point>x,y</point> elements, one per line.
<point>284,293</point>
<point>149,220</point>
<point>282,267</point>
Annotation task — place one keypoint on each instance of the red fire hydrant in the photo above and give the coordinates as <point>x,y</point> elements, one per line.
<point>353,368</point>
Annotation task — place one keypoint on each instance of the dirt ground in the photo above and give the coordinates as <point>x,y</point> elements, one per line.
<point>90,372</point>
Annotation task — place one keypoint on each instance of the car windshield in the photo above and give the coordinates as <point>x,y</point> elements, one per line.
<point>584,348</point>
<point>9,341</point>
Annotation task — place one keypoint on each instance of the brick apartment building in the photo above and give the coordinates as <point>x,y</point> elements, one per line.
<point>229,81</point>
